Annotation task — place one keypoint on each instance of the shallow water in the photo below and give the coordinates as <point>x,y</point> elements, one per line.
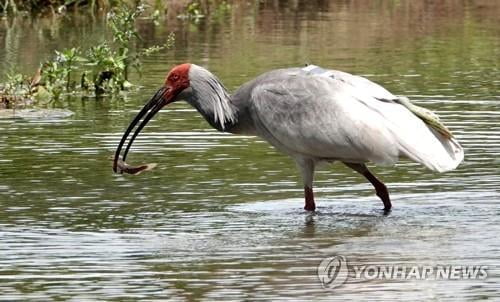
<point>221,216</point>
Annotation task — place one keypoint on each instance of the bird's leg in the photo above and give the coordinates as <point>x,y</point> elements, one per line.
<point>380,188</point>
<point>309,197</point>
<point>306,167</point>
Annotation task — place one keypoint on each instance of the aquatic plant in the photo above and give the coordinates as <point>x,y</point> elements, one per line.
<point>193,11</point>
<point>68,59</point>
<point>13,90</point>
<point>121,21</point>
<point>196,10</point>
<point>110,62</point>
<point>102,69</point>
<point>108,69</point>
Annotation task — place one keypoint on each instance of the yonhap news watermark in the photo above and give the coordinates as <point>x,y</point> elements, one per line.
<point>336,270</point>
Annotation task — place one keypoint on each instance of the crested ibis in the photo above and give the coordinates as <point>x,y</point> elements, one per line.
<point>314,115</point>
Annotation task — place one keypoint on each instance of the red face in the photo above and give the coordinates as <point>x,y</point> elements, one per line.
<point>176,81</point>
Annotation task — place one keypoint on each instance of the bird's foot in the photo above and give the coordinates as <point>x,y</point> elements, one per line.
<point>384,196</point>
<point>386,211</point>
<point>310,207</point>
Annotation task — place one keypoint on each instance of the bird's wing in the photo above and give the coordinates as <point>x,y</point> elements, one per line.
<point>344,117</point>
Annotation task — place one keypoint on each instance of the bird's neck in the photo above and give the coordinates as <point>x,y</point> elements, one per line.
<point>215,106</point>
<point>223,120</point>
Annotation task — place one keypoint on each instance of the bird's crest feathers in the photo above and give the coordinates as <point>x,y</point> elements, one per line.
<point>213,100</point>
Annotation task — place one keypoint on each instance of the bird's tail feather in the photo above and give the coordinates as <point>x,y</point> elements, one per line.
<point>432,145</point>
<point>427,116</point>
<point>441,159</point>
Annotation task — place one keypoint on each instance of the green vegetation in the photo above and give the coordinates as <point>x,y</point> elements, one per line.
<point>193,12</point>
<point>104,68</point>
<point>101,69</point>
<point>15,92</point>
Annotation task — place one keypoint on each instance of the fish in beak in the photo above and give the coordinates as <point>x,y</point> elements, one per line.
<point>161,98</point>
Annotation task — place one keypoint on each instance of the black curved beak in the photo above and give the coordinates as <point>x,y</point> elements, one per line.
<point>161,98</point>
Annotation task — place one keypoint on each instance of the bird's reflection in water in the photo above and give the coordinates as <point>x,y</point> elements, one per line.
<point>309,219</point>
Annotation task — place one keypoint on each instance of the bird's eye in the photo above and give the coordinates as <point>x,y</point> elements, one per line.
<point>174,77</point>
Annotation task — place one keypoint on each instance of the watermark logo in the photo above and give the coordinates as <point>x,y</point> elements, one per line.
<point>335,271</point>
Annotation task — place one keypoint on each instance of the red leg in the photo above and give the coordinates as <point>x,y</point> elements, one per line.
<point>306,167</point>
<point>309,197</point>
<point>380,188</point>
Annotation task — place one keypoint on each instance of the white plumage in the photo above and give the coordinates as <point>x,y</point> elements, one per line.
<point>344,117</point>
